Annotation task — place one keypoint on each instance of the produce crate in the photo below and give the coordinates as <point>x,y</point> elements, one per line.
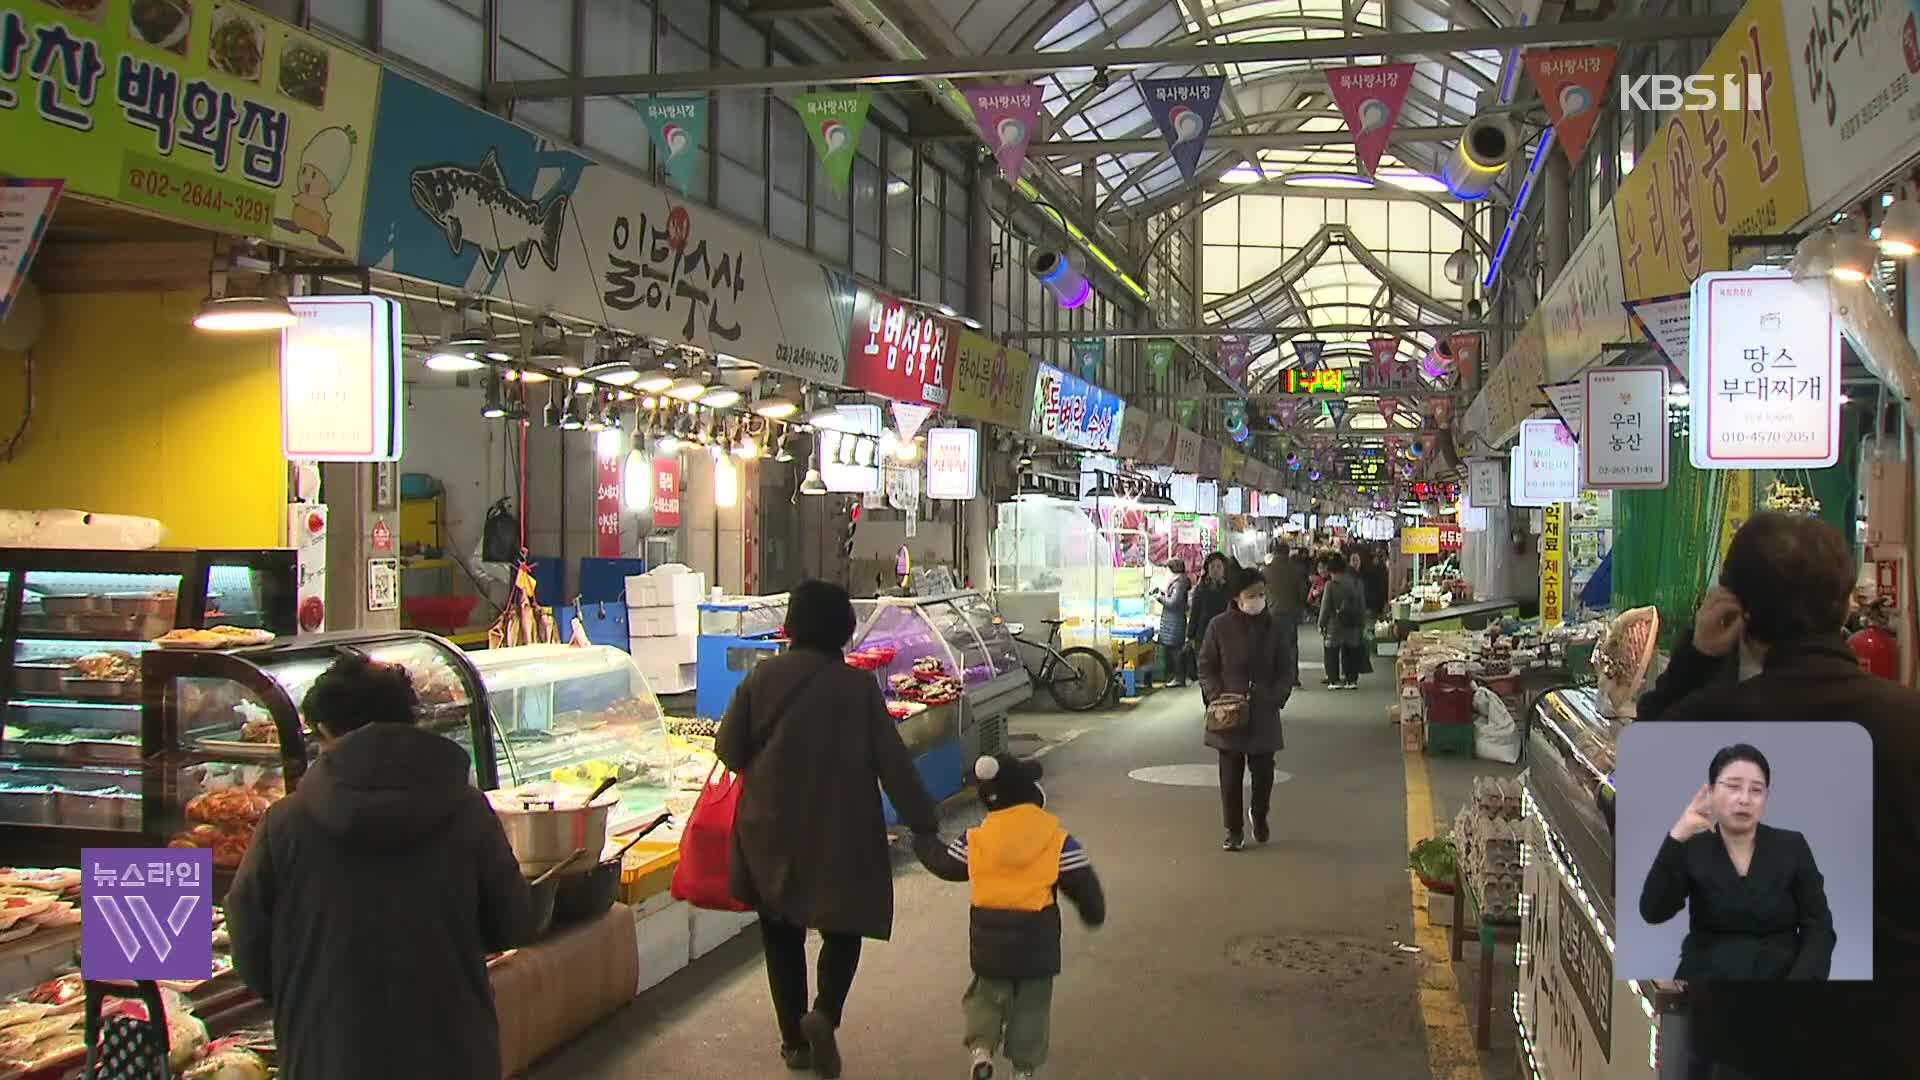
<point>1450,740</point>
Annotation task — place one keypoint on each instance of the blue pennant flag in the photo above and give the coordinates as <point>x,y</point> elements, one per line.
<point>1184,109</point>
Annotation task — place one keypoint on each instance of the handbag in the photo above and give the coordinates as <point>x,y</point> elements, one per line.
<point>703,876</point>
<point>1229,713</point>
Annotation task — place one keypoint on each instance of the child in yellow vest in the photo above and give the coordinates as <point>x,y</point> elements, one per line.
<point>1014,862</point>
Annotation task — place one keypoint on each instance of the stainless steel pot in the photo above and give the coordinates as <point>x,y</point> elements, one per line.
<point>546,832</point>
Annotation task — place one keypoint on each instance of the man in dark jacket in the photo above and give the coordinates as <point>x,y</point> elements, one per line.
<point>1287,593</point>
<point>1343,625</point>
<point>1782,599</point>
<point>371,896</point>
<point>1016,861</point>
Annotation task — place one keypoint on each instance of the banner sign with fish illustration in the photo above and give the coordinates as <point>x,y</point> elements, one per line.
<point>1008,115</point>
<point>1370,98</point>
<point>1572,84</point>
<point>678,124</point>
<point>1184,109</point>
<point>207,113</point>
<point>835,120</point>
<point>462,198</point>
<point>991,382</point>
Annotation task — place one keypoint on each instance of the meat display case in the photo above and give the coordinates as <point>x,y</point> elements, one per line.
<point>960,632</point>
<point>74,625</point>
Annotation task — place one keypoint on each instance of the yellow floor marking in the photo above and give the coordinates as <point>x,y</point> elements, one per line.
<point>1450,1051</point>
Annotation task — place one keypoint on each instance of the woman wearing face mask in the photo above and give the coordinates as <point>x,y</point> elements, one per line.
<point>1208,599</point>
<point>1246,652</point>
<point>1756,904</point>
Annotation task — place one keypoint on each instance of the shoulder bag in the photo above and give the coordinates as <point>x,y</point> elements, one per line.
<point>1230,713</point>
<point>703,876</point>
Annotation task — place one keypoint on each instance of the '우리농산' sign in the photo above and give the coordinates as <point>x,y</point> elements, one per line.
<point>1765,372</point>
<point>1624,428</point>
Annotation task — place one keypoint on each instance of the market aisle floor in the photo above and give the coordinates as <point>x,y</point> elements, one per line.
<point>1276,962</point>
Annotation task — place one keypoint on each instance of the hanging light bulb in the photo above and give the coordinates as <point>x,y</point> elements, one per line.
<point>776,406</point>
<point>687,387</point>
<point>783,453</point>
<point>570,418</point>
<point>813,484</point>
<point>636,481</point>
<point>726,483</point>
<point>907,451</point>
<point>719,397</point>
<point>748,447</point>
<point>609,441</point>
<point>493,407</point>
<point>1900,228</point>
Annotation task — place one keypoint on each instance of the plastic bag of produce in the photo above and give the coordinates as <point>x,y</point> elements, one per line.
<point>1495,736</point>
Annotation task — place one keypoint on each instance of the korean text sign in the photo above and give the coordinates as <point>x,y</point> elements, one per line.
<point>1552,566</point>
<point>1765,372</point>
<point>341,397</point>
<point>606,506</point>
<point>991,382</point>
<point>666,491</point>
<point>1623,440</point>
<point>205,112</point>
<point>1549,464</point>
<point>146,913</point>
<point>1071,410</point>
<point>899,351</point>
<point>953,463</point>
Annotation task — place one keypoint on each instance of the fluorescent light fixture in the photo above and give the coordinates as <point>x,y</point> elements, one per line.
<point>1241,174</point>
<point>1408,180</point>
<point>244,314</point>
<point>1327,180</point>
<point>719,397</point>
<point>687,388</point>
<point>443,360</point>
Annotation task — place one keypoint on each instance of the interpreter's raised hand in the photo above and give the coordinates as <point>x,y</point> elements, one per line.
<point>1696,819</point>
<point>1720,622</point>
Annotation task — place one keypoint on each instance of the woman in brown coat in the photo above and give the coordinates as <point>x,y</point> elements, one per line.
<point>1246,651</point>
<point>814,746</point>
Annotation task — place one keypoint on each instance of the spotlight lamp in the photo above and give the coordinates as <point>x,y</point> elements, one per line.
<point>1853,254</point>
<point>1900,228</point>
<point>1070,287</point>
<point>494,406</point>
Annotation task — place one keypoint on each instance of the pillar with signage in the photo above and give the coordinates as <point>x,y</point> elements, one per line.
<point>1553,563</point>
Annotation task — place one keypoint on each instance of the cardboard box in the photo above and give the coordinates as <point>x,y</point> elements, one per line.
<point>1413,735</point>
<point>677,649</point>
<point>663,622</point>
<point>548,993</point>
<point>666,586</point>
<point>666,678</point>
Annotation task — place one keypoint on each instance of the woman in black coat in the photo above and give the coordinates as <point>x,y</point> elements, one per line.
<point>814,746</point>
<point>1247,652</point>
<point>1209,598</point>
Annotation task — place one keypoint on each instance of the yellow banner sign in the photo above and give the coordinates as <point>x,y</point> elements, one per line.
<point>1738,487</point>
<point>209,113</point>
<point>1553,566</point>
<point>1422,540</point>
<point>991,382</point>
<point>1711,174</point>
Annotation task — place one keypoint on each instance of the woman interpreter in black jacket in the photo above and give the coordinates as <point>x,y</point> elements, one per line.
<point>1756,904</point>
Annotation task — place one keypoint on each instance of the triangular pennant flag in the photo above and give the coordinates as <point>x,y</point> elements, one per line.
<point>835,120</point>
<point>1309,352</point>
<point>678,124</point>
<point>1231,352</point>
<point>908,416</point>
<point>1087,355</point>
<point>1572,84</point>
<point>1389,408</point>
<point>1370,98</point>
<point>1285,411</point>
<point>1237,421</point>
<point>1007,114</point>
<point>1337,410</point>
<point>1184,109</point>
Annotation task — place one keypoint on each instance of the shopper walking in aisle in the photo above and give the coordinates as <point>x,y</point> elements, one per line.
<point>1209,598</point>
<point>1775,619</point>
<point>383,880</point>
<point>1287,595</point>
<point>1172,635</point>
<point>1246,653</point>
<point>1343,626</point>
<point>814,746</point>
<point>1017,861</point>
<point>1373,580</point>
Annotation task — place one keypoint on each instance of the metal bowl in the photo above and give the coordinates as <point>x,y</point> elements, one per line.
<point>544,833</point>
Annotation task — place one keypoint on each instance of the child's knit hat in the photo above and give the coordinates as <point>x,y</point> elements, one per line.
<point>1006,780</point>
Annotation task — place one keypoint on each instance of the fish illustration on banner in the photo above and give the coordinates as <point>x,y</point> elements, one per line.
<point>1370,98</point>
<point>1231,352</point>
<point>477,206</point>
<point>678,124</point>
<point>1160,353</point>
<point>1088,353</point>
<point>1572,84</point>
<point>1007,114</point>
<point>835,121</point>
<point>1184,109</point>
<point>1236,414</point>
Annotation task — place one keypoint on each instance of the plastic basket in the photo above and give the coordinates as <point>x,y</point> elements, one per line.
<point>1450,740</point>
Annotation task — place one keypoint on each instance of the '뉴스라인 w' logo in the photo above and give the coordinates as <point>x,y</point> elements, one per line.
<point>147,913</point>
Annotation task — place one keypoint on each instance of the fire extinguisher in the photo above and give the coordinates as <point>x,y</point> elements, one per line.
<point>1875,645</point>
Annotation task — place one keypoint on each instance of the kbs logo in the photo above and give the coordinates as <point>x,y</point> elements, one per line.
<point>1693,93</point>
<point>147,913</point>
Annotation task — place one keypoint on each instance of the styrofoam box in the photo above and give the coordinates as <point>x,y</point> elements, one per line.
<point>664,678</point>
<point>652,622</point>
<point>678,649</point>
<point>712,929</point>
<point>663,935</point>
<point>666,587</point>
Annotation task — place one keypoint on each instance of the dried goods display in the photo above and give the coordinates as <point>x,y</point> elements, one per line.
<point>1487,834</point>
<point>692,728</point>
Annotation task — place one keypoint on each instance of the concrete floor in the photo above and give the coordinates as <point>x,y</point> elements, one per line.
<point>1278,961</point>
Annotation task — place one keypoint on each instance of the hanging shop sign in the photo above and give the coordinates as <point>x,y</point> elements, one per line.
<point>835,120</point>
<point>1450,536</point>
<point>849,456</point>
<point>1552,565</point>
<point>1581,312</point>
<point>1162,439</point>
<point>1572,84</point>
<point>1184,109</point>
<point>1370,98</point>
<point>1765,372</point>
<point>341,397</point>
<point>1487,482</point>
<point>464,199</point>
<point>1071,410</point>
<point>1549,463</point>
<point>953,463</point>
<point>606,506</point>
<point>1367,472</point>
<point>1273,505</point>
<point>666,491</point>
<point>1209,467</point>
<point>899,350</point>
<point>1569,399</point>
<point>207,113</point>
<point>1420,540</point>
<point>1665,322</point>
<point>1234,501</point>
<point>991,383</point>
<point>1514,386</point>
<point>1624,438</point>
<point>1185,493</point>
<point>1186,450</point>
<point>1207,497</point>
<point>1135,424</point>
<point>1008,115</point>
<point>25,208</point>
<point>1320,381</point>
<point>1854,68</point>
<point>1712,174</point>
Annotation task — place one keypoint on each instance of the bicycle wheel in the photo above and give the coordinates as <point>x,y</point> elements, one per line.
<point>1082,679</point>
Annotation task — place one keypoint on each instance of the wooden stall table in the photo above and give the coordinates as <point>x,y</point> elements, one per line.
<point>1492,935</point>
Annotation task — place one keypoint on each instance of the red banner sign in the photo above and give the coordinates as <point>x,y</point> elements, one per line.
<point>899,350</point>
<point>1450,536</point>
<point>606,506</point>
<point>666,491</point>
<point>1572,84</point>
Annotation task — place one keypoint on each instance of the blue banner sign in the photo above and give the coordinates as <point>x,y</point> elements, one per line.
<point>1068,409</point>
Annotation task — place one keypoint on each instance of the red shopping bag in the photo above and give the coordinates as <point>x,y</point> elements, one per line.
<point>706,845</point>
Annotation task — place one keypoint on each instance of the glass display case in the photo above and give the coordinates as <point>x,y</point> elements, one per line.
<point>1570,756</point>
<point>73,631</point>
<point>567,718</point>
<point>946,665</point>
<point>1096,560</point>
